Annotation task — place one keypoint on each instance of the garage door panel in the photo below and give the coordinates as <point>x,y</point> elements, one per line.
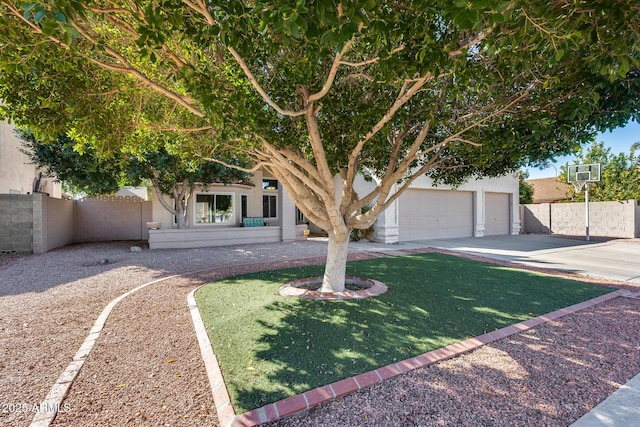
<point>431,214</point>
<point>497,214</point>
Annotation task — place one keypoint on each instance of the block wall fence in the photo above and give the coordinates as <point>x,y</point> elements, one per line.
<point>606,219</point>
<point>38,223</point>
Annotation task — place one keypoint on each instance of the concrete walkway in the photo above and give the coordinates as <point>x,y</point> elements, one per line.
<point>615,259</point>
<point>621,409</point>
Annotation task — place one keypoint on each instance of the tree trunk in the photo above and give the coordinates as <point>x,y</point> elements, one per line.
<point>181,207</point>
<point>180,220</point>
<point>336,266</point>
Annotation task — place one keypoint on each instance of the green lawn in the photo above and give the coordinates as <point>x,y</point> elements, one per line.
<point>271,347</point>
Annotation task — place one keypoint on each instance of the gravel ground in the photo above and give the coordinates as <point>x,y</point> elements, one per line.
<point>548,376</point>
<point>146,369</point>
<point>49,302</point>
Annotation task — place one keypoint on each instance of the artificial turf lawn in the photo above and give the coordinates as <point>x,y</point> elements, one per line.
<point>271,347</point>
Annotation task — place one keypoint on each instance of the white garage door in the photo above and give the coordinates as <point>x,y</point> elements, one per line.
<point>496,214</point>
<point>432,214</point>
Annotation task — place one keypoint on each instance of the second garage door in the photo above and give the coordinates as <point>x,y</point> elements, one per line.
<point>497,218</point>
<point>432,214</point>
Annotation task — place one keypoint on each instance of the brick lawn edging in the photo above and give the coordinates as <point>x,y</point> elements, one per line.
<point>308,399</point>
<point>314,397</point>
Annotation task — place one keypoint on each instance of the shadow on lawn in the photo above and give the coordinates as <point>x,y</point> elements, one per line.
<point>549,375</point>
<point>317,343</point>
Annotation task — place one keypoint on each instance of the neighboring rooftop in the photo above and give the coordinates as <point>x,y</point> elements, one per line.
<point>549,190</point>
<point>128,191</point>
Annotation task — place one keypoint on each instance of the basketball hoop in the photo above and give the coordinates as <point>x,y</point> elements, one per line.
<point>580,176</point>
<point>579,185</point>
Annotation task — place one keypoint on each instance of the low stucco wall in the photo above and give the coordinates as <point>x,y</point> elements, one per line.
<point>208,237</point>
<point>111,218</point>
<point>606,219</point>
<point>38,223</point>
<point>52,224</point>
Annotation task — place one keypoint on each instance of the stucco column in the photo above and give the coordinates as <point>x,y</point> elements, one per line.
<point>385,229</point>
<point>39,210</point>
<point>288,216</point>
<point>514,201</point>
<point>478,214</point>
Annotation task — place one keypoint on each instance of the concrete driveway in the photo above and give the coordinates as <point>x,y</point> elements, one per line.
<point>614,259</point>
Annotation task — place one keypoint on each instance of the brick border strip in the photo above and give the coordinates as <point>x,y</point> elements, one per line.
<point>221,398</point>
<point>49,407</point>
<point>302,402</point>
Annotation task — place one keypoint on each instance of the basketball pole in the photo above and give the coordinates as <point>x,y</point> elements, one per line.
<point>586,207</point>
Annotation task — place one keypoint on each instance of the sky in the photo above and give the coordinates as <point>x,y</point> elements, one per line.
<point>619,140</point>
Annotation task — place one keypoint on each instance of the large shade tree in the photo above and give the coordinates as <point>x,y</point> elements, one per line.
<point>312,90</point>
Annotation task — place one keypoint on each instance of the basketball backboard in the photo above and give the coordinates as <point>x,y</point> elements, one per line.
<point>580,176</point>
<point>583,173</point>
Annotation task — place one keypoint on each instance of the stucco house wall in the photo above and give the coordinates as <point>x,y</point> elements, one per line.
<point>17,173</point>
<point>477,208</point>
<point>247,201</point>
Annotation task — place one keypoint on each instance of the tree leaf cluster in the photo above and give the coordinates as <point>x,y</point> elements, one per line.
<point>92,174</point>
<point>85,173</point>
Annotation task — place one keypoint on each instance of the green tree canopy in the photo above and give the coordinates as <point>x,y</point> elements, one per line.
<point>169,173</point>
<point>82,173</point>
<point>313,89</point>
<point>525,189</point>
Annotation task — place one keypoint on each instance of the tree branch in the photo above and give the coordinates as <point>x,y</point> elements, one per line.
<point>34,27</point>
<point>369,61</point>
<point>318,149</point>
<point>258,87</point>
<point>255,168</point>
<point>333,71</point>
<point>200,6</point>
<point>177,129</point>
<point>309,178</point>
<point>405,94</point>
<point>126,68</point>
<point>162,200</point>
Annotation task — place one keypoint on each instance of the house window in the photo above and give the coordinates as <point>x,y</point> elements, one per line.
<point>214,209</point>
<point>244,205</point>
<point>270,198</point>
<point>269,184</point>
<point>269,206</point>
<point>300,219</point>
